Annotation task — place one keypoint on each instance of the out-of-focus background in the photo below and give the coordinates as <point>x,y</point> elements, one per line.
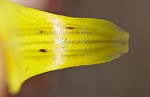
<point>128,76</point>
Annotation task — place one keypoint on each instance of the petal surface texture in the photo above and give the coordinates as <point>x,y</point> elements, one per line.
<point>36,42</point>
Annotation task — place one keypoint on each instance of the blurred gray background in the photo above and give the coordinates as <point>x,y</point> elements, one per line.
<point>127,76</point>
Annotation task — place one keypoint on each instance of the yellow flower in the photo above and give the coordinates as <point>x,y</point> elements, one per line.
<point>36,42</point>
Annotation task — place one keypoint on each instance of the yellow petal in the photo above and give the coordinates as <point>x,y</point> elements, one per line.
<point>38,42</point>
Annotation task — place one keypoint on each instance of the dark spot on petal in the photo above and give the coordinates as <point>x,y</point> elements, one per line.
<point>27,69</point>
<point>42,50</point>
<point>62,47</point>
<point>71,28</point>
<point>41,31</point>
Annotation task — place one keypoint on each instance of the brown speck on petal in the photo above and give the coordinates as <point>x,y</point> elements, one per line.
<point>42,50</point>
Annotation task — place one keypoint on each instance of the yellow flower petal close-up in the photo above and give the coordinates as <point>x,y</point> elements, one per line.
<point>36,42</point>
